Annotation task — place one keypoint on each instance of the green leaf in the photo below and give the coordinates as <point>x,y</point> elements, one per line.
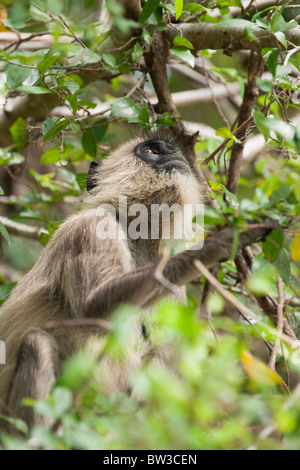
<point>81,180</point>
<point>57,128</point>
<point>46,180</point>
<point>145,114</point>
<point>34,90</point>
<point>10,158</point>
<point>90,57</point>
<point>278,24</point>
<point>169,7</point>
<point>264,85</point>
<point>184,54</point>
<point>109,59</point>
<point>295,63</point>
<point>194,8</point>
<point>47,125</point>
<point>280,194</point>
<point>248,33</point>
<point>27,214</point>
<point>178,8</point>
<point>236,3</point>
<point>282,71</point>
<point>49,59</point>
<point>260,121</point>
<point>88,142</point>
<point>283,266</point>
<point>56,405</point>
<point>70,178</point>
<point>53,155</point>
<point>1,191</point>
<point>5,290</point>
<point>71,85</point>
<point>149,8</point>
<point>236,23</point>
<point>125,108</point>
<point>19,133</point>
<point>147,37</point>
<point>215,303</point>
<point>224,132</point>
<point>137,52</point>
<point>231,199</point>
<point>4,232</point>
<point>75,127</point>
<point>181,41</point>
<point>216,186</point>
<point>262,23</point>
<point>273,245</point>
<point>281,38</point>
<point>272,63</point>
<point>99,131</point>
<point>87,104</point>
<point>76,370</point>
<point>261,280</point>
<point>283,130</point>
<point>72,100</point>
<point>213,217</point>
<point>16,75</point>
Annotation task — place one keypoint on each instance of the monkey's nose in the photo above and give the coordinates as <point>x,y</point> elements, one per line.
<point>173,161</point>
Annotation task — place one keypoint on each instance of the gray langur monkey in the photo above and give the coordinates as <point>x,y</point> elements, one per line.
<point>80,276</point>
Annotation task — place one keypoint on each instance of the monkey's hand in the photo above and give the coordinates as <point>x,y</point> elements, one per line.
<point>258,231</point>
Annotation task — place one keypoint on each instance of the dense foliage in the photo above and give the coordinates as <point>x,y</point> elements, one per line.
<point>78,77</point>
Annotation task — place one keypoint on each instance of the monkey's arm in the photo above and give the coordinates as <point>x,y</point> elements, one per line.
<point>140,286</point>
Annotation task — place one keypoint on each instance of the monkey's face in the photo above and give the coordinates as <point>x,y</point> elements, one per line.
<point>162,156</point>
<point>151,170</point>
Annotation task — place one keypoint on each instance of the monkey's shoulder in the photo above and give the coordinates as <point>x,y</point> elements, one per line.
<point>81,238</point>
<point>80,232</point>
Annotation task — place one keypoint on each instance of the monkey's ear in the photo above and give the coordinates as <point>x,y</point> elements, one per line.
<point>91,182</point>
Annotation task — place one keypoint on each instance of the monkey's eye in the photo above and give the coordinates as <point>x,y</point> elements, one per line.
<point>148,150</point>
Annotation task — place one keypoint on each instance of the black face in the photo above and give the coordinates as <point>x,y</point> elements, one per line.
<point>162,156</point>
<point>91,180</point>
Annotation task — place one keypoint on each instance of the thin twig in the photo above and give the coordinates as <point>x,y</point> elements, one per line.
<point>158,274</point>
<point>139,84</point>
<point>122,48</point>
<point>291,53</point>
<point>214,99</point>
<point>71,32</point>
<point>226,141</point>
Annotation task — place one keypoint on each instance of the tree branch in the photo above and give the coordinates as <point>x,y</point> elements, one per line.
<point>228,38</point>
<point>246,111</point>
<point>22,230</point>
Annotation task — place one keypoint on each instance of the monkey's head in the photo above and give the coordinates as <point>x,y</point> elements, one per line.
<point>153,169</point>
